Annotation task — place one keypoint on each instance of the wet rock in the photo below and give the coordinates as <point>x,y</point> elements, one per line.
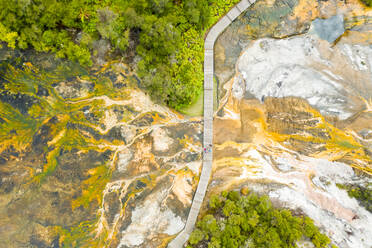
<point>146,119</point>
<point>116,133</point>
<point>19,101</point>
<point>187,157</point>
<point>6,184</point>
<point>40,139</point>
<point>140,185</point>
<point>41,91</point>
<point>112,206</point>
<point>90,175</point>
<point>329,29</point>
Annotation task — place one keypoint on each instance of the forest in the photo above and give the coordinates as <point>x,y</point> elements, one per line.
<point>166,36</point>
<point>249,220</point>
<point>367,2</point>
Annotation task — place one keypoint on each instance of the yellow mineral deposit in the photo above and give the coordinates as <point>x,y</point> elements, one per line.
<point>283,145</point>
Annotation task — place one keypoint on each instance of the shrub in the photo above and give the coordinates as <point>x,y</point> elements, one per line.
<point>196,236</point>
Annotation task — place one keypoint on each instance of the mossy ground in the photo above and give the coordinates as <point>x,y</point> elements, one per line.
<point>51,127</point>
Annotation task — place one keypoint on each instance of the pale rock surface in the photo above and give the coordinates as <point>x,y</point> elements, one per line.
<point>297,67</point>
<point>161,140</point>
<point>149,219</point>
<point>127,132</point>
<point>124,158</point>
<point>309,184</point>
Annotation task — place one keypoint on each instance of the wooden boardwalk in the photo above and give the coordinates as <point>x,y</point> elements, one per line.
<point>215,31</point>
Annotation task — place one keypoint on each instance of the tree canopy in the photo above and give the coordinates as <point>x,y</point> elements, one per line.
<point>233,220</point>
<point>367,2</point>
<point>167,36</point>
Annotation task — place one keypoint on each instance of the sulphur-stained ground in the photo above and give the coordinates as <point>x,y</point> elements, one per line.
<point>87,159</point>
<point>294,119</point>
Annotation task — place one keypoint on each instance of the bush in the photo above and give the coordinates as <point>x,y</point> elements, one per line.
<point>215,202</point>
<point>196,236</point>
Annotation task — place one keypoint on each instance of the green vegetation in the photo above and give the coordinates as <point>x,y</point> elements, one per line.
<point>362,193</point>
<point>195,108</point>
<point>367,2</point>
<point>233,220</point>
<point>166,35</point>
<point>35,119</point>
<point>77,236</point>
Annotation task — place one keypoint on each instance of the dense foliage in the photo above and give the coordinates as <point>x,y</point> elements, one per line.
<point>362,193</point>
<point>367,2</point>
<point>167,35</point>
<point>251,221</point>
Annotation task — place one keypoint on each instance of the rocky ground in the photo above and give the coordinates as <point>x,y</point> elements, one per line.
<point>88,160</point>
<point>294,119</point>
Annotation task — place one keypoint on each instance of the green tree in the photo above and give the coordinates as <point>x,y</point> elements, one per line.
<point>367,2</point>
<point>233,196</point>
<point>166,36</point>
<point>214,243</point>
<point>229,208</point>
<point>320,240</point>
<point>196,236</point>
<point>215,202</point>
<point>8,36</point>
<point>208,224</point>
<point>251,221</point>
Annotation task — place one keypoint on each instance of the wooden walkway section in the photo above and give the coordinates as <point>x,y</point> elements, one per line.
<point>212,36</point>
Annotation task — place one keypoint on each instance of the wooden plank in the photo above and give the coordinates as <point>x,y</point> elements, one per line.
<point>234,13</point>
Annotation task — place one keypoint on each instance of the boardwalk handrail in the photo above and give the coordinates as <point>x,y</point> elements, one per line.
<point>211,38</point>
